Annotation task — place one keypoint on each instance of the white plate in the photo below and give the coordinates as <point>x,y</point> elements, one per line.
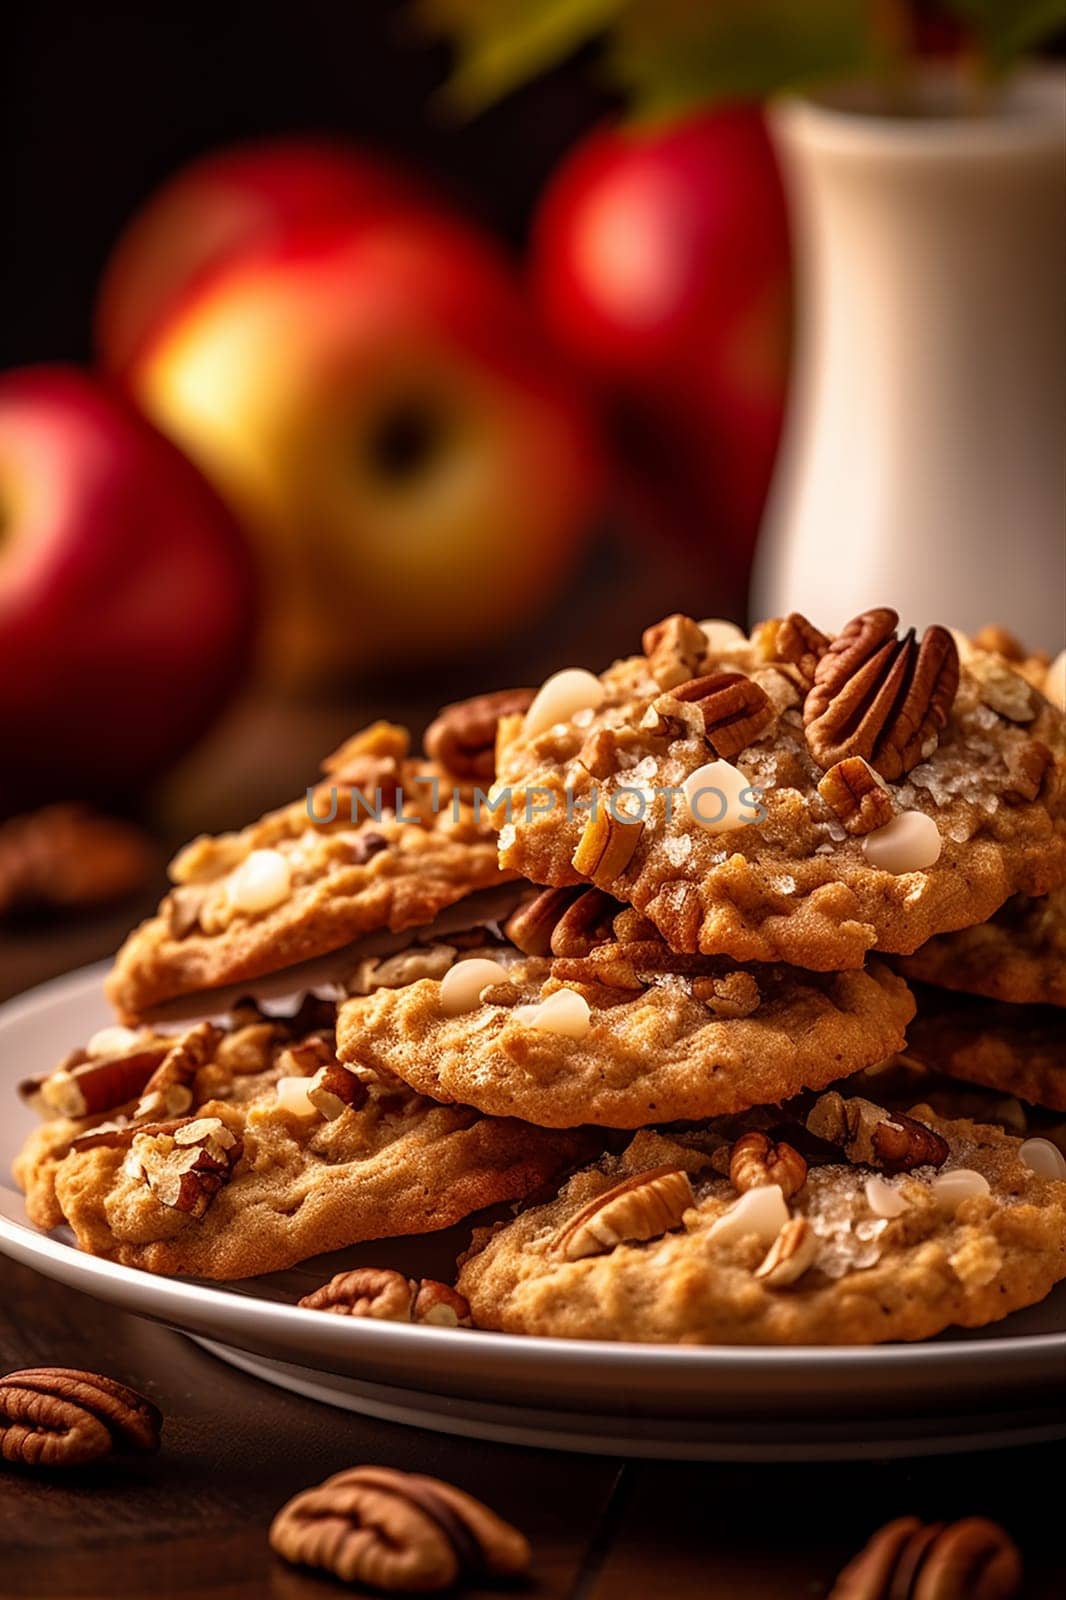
<point>958,1391</point>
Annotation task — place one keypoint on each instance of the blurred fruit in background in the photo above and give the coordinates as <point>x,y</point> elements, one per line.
<point>243,197</point>
<point>377,405</point>
<point>125,593</point>
<point>661,267</point>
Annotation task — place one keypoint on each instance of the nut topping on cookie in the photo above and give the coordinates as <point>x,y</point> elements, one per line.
<point>757,1161</point>
<point>185,1170</point>
<point>640,1208</point>
<point>735,710</point>
<point>909,843</point>
<point>792,640</point>
<point>674,648</point>
<point>560,697</point>
<point>880,697</point>
<point>168,1092</point>
<point>791,1253</point>
<point>873,1137</point>
<point>390,1296</point>
<point>857,795</point>
<point>87,1088</point>
<point>911,1560</point>
<point>462,738</point>
<point>606,846</point>
<point>1003,689</point>
<point>334,1090</point>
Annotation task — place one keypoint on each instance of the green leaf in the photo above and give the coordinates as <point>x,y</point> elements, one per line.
<point>503,43</point>
<point>1006,29</point>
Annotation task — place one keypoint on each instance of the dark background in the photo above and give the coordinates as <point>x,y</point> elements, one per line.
<point>100,103</point>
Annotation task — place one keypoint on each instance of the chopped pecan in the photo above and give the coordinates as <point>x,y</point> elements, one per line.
<point>880,697</point>
<point>606,846</point>
<point>641,1207</point>
<point>974,1559</point>
<point>790,1255</point>
<point>186,1169</point>
<point>1027,765</point>
<point>182,907</point>
<point>87,1087</point>
<point>169,1091</point>
<point>857,795</point>
<point>370,762</point>
<point>873,1137</point>
<point>599,755</point>
<point>334,1090</point>
<point>462,738</point>
<point>531,925</point>
<point>1003,688</point>
<point>999,640</point>
<point>65,856</point>
<point>391,1297</point>
<point>60,1417</point>
<point>736,995</point>
<point>674,648</point>
<point>396,1531</point>
<point>736,711</point>
<point>757,1161</point>
<point>792,640</point>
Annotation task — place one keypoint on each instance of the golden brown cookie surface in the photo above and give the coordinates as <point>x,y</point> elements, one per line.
<point>1018,955</point>
<point>888,804</point>
<point>854,1256</point>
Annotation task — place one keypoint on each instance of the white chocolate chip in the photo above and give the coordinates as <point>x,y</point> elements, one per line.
<point>760,1211</point>
<point>909,843</point>
<point>720,634</point>
<point>952,1188</point>
<point>1043,1158</point>
<point>560,697</point>
<point>565,1012</point>
<point>963,643</point>
<point>883,1199</point>
<point>260,882</point>
<point>719,796</point>
<point>292,1096</point>
<point>1055,681</point>
<point>462,985</point>
<point>113,1041</point>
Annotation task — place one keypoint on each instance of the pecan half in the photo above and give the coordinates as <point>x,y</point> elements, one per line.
<point>606,846</point>
<point>857,795</point>
<point>736,711</point>
<point>396,1531</point>
<point>1027,766</point>
<point>390,1296</point>
<point>791,640</point>
<point>186,1169</point>
<point>757,1161</point>
<point>1003,688</point>
<point>873,1137</point>
<point>674,648</point>
<point>531,925</point>
<point>790,1255</point>
<point>974,1559</point>
<point>86,1088</point>
<point>169,1090</point>
<point>880,697</point>
<point>60,1417</point>
<point>642,1207</point>
<point>462,738</point>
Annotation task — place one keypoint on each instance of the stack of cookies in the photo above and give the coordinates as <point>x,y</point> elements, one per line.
<point>633,953</point>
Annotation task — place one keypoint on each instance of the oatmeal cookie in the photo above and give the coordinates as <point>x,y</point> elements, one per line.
<point>239,1151</point>
<point>624,1031</point>
<point>1019,1050</point>
<point>394,846</point>
<point>787,797</point>
<point>1018,956</point>
<point>658,1245</point>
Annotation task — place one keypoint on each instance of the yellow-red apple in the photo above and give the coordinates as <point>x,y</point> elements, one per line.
<point>378,408</point>
<point>125,593</point>
<point>245,195</point>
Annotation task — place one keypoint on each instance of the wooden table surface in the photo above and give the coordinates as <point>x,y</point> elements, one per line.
<point>192,1522</point>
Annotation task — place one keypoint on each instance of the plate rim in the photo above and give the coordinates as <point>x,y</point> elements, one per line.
<point>164,1298</point>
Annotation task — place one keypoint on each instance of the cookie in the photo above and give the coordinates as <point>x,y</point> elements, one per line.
<point>1018,1050</point>
<point>623,1032</point>
<point>789,797</point>
<point>659,1245</point>
<point>384,844</point>
<point>239,1151</point>
<point>1018,956</point>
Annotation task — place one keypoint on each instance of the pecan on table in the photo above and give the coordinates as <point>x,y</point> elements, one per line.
<point>59,1417</point>
<point>396,1531</point>
<point>390,1296</point>
<point>974,1559</point>
<point>881,697</point>
<point>639,1208</point>
<point>462,737</point>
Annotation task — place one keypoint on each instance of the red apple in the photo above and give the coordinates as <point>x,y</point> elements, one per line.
<point>661,267</point>
<point>125,592</point>
<point>380,410</point>
<point>248,195</point>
